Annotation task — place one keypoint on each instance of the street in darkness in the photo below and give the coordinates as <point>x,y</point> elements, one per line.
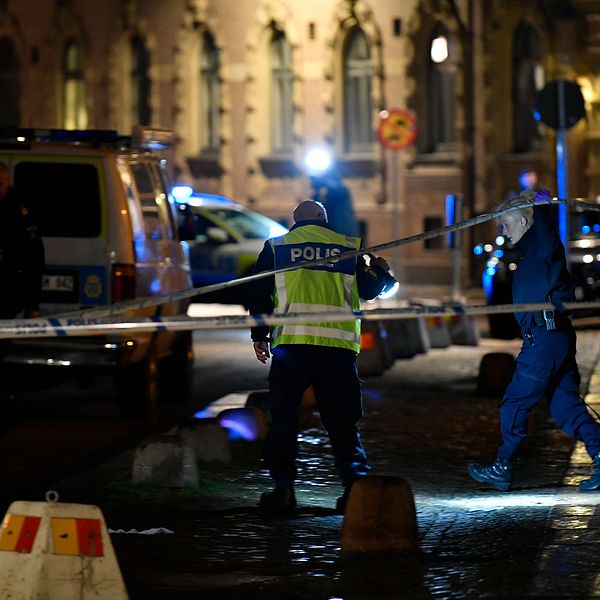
<point>423,422</point>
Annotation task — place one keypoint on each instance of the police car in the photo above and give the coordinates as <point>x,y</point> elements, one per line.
<point>109,228</point>
<point>224,238</point>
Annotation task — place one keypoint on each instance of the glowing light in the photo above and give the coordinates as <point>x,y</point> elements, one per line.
<point>536,115</point>
<point>277,230</point>
<point>384,114</point>
<point>588,258</point>
<point>318,160</point>
<point>389,292</point>
<point>478,250</point>
<point>597,227</point>
<point>512,267</point>
<point>598,257</point>
<point>585,229</point>
<point>181,192</point>
<point>439,49</point>
<point>491,271</point>
<point>499,253</point>
<point>238,429</point>
<point>500,240</point>
<point>488,247</point>
<point>20,139</point>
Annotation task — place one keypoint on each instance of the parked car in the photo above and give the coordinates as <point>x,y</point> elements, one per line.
<point>584,252</point>
<point>110,235</point>
<point>224,237</point>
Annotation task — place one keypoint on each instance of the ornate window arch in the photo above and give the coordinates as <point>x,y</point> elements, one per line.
<point>441,91</point>
<point>75,115</point>
<point>527,79</point>
<point>209,96</point>
<point>10,114</point>
<point>357,73</point>
<point>282,95</point>
<point>141,84</point>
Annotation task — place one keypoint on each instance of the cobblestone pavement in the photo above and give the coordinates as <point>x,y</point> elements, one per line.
<point>424,421</point>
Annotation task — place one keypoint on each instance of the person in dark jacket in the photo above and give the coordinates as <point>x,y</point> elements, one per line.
<point>21,254</point>
<point>546,364</point>
<point>321,354</point>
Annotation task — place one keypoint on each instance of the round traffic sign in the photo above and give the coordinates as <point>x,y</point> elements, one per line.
<point>397,129</point>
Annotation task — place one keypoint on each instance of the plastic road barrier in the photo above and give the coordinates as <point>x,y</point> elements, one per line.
<point>51,551</point>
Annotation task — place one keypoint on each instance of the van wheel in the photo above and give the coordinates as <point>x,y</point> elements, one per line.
<point>177,370</point>
<point>138,390</point>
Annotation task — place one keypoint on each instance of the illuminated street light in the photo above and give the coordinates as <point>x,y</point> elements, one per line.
<point>439,49</point>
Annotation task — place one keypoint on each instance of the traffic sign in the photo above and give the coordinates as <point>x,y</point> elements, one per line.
<point>559,96</point>
<point>397,129</point>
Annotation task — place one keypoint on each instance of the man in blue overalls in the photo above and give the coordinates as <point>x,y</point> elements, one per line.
<point>546,363</point>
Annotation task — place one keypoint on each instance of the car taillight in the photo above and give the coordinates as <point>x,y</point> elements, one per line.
<point>123,282</point>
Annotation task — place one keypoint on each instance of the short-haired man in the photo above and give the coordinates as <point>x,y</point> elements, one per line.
<point>321,354</point>
<point>546,363</point>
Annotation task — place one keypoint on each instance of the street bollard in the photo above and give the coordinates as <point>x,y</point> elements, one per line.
<point>380,517</point>
<point>495,373</point>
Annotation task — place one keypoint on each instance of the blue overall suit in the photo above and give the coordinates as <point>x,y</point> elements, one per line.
<point>546,363</point>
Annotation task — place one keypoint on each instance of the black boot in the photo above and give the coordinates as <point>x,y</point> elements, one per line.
<point>498,474</point>
<point>280,500</point>
<point>593,483</point>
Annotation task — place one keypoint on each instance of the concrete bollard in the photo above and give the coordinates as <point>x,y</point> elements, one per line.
<point>208,440</point>
<point>374,357</point>
<point>165,462</point>
<point>248,423</point>
<point>463,329</point>
<point>495,373</point>
<point>380,517</point>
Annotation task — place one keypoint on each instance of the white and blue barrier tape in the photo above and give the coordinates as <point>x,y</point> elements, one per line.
<point>150,301</point>
<point>81,326</point>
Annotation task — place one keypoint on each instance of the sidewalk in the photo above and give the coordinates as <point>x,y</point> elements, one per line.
<point>423,422</point>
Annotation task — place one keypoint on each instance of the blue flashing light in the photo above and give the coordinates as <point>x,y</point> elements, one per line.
<point>491,271</point>
<point>487,282</point>
<point>181,192</point>
<point>478,250</point>
<point>499,253</point>
<point>238,429</point>
<point>585,229</point>
<point>597,227</point>
<point>536,115</point>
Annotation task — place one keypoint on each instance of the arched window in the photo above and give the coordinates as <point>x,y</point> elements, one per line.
<point>141,86</point>
<point>441,92</point>
<point>210,96</point>
<point>282,106</point>
<point>9,84</point>
<point>74,108</point>
<point>528,78</point>
<point>358,115</point>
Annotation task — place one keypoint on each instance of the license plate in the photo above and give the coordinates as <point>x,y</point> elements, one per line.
<point>58,283</point>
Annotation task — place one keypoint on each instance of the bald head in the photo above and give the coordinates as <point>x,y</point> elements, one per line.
<point>309,210</point>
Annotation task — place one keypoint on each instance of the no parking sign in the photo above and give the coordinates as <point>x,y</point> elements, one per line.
<point>397,129</point>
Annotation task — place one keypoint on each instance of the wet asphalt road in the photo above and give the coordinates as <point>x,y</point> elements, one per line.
<point>423,421</point>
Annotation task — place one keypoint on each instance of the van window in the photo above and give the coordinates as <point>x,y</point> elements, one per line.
<point>65,197</point>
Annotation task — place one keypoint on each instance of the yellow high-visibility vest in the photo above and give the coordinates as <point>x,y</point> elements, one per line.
<point>325,288</point>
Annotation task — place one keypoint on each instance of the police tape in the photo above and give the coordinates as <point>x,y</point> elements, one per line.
<point>173,297</point>
<point>80,326</point>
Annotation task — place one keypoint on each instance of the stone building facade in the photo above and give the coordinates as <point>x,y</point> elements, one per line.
<point>250,85</point>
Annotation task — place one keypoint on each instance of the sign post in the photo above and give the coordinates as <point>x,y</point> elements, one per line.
<point>397,130</point>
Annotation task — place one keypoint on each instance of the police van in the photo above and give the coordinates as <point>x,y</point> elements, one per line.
<point>109,229</point>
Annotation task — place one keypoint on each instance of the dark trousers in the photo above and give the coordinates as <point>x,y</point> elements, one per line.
<point>333,374</point>
<point>546,365</point>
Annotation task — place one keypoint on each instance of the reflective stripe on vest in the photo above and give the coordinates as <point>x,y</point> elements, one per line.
<point>325,288</point>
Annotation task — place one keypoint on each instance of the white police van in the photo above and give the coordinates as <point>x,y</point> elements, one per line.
<point>108,224</point>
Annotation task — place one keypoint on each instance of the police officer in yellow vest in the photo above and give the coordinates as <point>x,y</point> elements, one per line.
<point>321,354</point>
